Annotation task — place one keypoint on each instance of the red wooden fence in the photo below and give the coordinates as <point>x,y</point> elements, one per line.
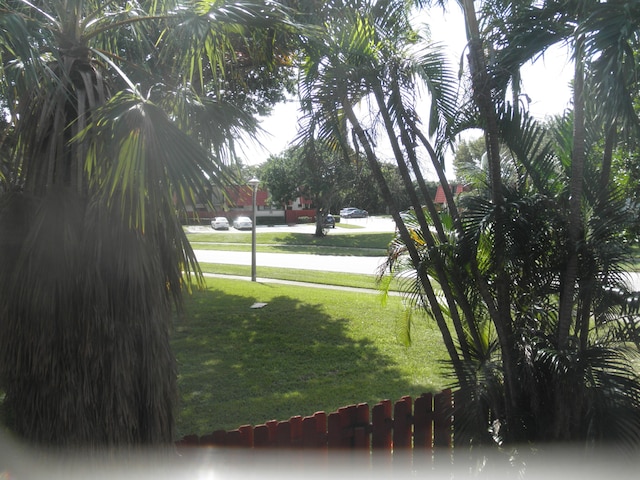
<point>426,423</point>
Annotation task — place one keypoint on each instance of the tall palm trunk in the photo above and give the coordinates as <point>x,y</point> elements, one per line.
<point>86,313</point>
<point>85,326</point>
<point>482,96</point>
<point>568,417</point>
<point>566,309</point>
<point>448,281</point>
<point>405,235</point>
<point>415,200</point>
<point>607,157</point>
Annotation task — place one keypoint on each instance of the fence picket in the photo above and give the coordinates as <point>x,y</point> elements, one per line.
<point>442,419</point>
<point>334,431</point>
<point>361,432</point>
<point>314,430</point>
<point>423,421</point>
<point>402,422</point>
<point>283,434</point>
<point>381,425</point>
<point>296,431</point>
<point>261,436</point>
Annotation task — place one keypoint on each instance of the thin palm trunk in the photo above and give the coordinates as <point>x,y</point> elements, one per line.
<point>481,84</point>
<point>481,283</point>
<point>449,282</point>
<point>567,300</point>
<point>442,179</point>
<point>406,237</point>
<point>607,157</point>
<point>406,176</point>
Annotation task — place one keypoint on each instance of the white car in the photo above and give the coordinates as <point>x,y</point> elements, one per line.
<point>346,211</point>
<point>220,223</point>
<point>242,223</point>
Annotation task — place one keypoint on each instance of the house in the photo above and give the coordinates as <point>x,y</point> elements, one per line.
<point>233,202</point>
<point>236,201</point>
<point>239,199</point>
<point>441,201</point>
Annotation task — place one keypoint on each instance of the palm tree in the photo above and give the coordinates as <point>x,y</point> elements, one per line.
<point>120,114</point>
<point>600,31</point>
<point>355,62</point>
<point>491,273</point>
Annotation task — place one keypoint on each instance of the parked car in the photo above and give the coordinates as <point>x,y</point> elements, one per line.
<point>354,213</point>
<point>220,223</point>
<point>242,223</point>
<point>346,211</point>
<point>329,221</point>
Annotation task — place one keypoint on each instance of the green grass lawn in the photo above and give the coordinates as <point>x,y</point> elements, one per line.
<point>307,350</point>
<point>362,244</point>
<point>306,276</point>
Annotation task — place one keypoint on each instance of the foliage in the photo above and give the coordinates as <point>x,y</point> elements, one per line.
<point>280,176</point>
<point>468,161</point>
<point>344,181</point>
<point>524,278</point>
<point>118,114</point>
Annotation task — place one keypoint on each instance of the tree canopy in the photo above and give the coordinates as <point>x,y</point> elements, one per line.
<point>116,115</point>
<point>519,275</point>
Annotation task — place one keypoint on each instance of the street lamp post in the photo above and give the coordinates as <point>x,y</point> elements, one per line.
<point>253,183</point>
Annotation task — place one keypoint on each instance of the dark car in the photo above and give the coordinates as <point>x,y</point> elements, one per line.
<point>355,213</point>
<point>329,222</point>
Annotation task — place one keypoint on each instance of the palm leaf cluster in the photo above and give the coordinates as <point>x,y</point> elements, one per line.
<point>525,275</point>
<point>118,115</point>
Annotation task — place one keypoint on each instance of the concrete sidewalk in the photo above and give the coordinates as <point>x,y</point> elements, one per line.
<point>327,263</point>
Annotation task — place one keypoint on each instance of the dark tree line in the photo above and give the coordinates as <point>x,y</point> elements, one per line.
<point>332,180</point>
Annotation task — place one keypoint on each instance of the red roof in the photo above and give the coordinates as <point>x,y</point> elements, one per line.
<point>440,198</point>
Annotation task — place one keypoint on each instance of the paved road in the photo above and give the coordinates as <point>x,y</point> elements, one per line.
<point>329,263</point>
<point>369,225</point>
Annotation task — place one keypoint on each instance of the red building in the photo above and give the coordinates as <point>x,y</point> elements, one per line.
<point>240,198</point>
<point>441,201</point>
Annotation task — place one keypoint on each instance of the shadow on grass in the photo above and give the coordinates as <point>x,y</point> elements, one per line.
<point>239,365</point>
<point>377,243</point>
<point>358,240</point>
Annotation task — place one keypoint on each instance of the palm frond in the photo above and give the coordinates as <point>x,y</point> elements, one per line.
<point>528,142</point>
<point>613,43</point>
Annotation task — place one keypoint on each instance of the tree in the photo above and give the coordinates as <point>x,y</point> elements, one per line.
<point>119,113</point>
<point>280,174</point>
<point>493,272</point>
<point>600,35</point>
<point>360,188</point>
<point>310,171</point>
<point>354,60</point>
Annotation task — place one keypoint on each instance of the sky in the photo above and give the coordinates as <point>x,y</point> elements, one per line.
<point>546,82</point>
